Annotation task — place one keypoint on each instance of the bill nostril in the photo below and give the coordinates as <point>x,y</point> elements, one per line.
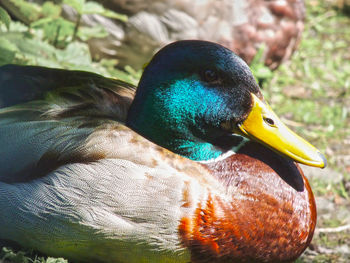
<point>269,121</point>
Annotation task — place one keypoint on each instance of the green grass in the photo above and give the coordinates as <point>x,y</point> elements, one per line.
<point>8,255</point>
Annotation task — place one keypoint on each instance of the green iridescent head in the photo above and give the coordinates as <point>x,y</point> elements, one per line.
<point>198,99</point>
<point>186,93</point>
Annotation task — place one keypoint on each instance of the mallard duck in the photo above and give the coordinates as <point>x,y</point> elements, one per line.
<point>193,166</point>
<point>243,26</point>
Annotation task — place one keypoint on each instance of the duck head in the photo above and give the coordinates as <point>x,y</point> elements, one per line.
<point>205,98</point>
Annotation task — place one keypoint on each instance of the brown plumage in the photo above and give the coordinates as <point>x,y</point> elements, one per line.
<point>271,217</point>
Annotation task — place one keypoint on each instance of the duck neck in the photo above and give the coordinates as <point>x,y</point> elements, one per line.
<point>170,119</point>
<point>184,143</point>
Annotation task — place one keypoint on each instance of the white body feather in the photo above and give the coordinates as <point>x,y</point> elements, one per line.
<point>112,207</point>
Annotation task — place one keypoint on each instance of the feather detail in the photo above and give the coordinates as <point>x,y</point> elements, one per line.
<point>56,117</point>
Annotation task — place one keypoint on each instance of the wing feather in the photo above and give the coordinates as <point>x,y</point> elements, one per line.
<point>47,115</point>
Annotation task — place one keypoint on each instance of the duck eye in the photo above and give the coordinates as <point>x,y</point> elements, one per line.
<point>210,75</point>
<point>269,121</point>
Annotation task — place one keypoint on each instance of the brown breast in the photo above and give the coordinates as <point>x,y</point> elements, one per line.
<point>271,217</point>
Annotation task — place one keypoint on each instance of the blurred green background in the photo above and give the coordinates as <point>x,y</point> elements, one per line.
<point>311,92</point>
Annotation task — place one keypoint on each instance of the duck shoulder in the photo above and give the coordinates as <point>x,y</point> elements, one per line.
<point>36,82</point>
<point>48,115</point>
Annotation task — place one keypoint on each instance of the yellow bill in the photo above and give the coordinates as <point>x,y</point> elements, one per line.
<point>263,125</point>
